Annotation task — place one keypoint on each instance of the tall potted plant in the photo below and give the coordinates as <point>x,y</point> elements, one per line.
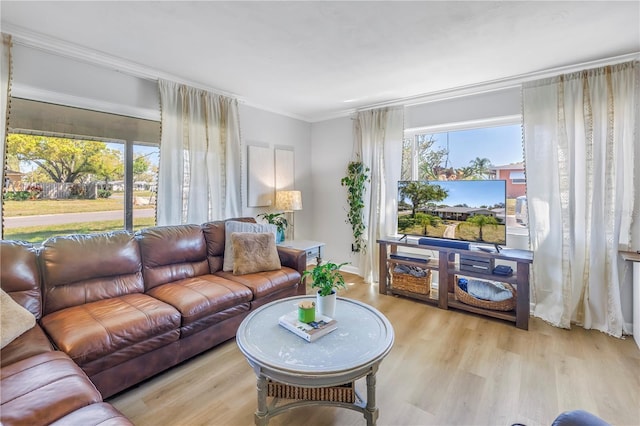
<point>327,279</point>
<point>279,221</point>
<point>357,176</point>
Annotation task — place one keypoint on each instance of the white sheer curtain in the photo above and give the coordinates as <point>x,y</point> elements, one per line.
<point>378,144</point>
<point>5,88</point>
<point>581,147</point>
<point>199,177</point>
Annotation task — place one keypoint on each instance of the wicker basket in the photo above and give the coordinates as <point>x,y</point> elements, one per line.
<point>503,305</point>
<point>407,282</point>
<point>342,393</point>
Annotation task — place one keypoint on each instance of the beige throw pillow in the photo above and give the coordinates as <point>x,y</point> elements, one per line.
<point>254,252</point>
<point>232,226</point>
<point>14,319</point>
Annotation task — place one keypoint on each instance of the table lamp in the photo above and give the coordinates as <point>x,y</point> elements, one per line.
<point>289,202</point>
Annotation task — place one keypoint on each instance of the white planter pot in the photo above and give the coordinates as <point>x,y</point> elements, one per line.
<point>326,305</point>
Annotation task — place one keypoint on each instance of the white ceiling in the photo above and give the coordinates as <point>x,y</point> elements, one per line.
<point>315,60</point>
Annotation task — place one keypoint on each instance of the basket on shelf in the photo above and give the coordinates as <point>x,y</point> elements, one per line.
<point>407,282</point>
<point>503,305</point>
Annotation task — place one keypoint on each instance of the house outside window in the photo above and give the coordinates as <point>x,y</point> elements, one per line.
<point>513,174</point>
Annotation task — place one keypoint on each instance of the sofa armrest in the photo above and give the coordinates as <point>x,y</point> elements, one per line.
<point>293,258</point>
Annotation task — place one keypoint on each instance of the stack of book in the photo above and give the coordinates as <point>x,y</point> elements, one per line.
<point>308,331</point>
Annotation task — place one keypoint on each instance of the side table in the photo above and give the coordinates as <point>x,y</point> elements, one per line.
<point>314,249</point>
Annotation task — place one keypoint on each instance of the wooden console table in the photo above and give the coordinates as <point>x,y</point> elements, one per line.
<point>447,266</point>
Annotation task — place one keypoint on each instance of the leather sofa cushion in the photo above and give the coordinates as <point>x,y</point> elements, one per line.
<point>79,269</point>
<point>94,330</point>
<point>42,389</point>
<point>102,414</point>
<point>172,253</point>
<point>31,343</point>
<point>265,283</point>
<point>20,276</point>
<point>202,296</point>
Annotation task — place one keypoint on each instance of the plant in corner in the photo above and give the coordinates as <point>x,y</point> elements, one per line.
<point>278,220</point>
<point>355,182</point>
<point>327,279</point>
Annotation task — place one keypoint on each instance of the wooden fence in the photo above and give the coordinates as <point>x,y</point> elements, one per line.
<point>58,191</point>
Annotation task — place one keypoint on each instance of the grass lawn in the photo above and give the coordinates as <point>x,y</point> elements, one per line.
<point>37,234</point>
<point>37,207</point>
<point>464,231</point>
<point>490,233</point>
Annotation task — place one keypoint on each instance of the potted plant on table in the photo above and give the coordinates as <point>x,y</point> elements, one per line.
<point>327,279</point>
<point>279,221</point>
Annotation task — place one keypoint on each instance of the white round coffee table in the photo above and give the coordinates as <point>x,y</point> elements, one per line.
<point>354,350</point>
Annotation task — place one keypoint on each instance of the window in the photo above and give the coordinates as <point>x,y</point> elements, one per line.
<point>517,178</point>
<point>493,151</point>
<point>77,171</point>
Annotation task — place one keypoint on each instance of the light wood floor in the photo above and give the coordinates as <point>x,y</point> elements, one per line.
<point>446,368</point>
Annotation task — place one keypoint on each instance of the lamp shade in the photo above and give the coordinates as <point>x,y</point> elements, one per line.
<point>288,201</point>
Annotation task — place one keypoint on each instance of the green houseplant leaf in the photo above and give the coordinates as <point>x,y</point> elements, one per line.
<point>276,219</point>
<point>357,176</point>
<point>326,277</point>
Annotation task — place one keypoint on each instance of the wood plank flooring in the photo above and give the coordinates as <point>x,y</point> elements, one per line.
<point>446,368</point>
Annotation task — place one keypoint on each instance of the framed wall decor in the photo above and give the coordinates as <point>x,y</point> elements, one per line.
<point>284,177</point>
<point>260,176</point>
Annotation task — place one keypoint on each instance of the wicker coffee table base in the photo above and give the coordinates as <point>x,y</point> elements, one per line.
<point>342,393</point>
<point>344,396</point>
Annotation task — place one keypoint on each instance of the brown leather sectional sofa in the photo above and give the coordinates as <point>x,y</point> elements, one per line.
<point>114,309</point>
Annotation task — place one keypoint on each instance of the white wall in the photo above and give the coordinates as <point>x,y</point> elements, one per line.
<point>331,148</point>
<point>259,127</point>
<point>47,77</point>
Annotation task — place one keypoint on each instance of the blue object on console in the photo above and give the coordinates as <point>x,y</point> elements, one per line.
<point>503,270</point>
<point>444,243</point>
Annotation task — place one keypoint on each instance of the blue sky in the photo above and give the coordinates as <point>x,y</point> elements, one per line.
<point>502,145</point>
<point>474,193</point>
<point>152,153</point>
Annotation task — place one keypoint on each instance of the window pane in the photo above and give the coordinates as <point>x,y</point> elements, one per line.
<point>61,186</point>
<point>77,182</point>
<point>407,159</point>
<point>145,184</point>
<point>483,153</point>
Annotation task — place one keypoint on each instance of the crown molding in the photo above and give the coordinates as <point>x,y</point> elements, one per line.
<point>49,44</point>
<point>486,87</point>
